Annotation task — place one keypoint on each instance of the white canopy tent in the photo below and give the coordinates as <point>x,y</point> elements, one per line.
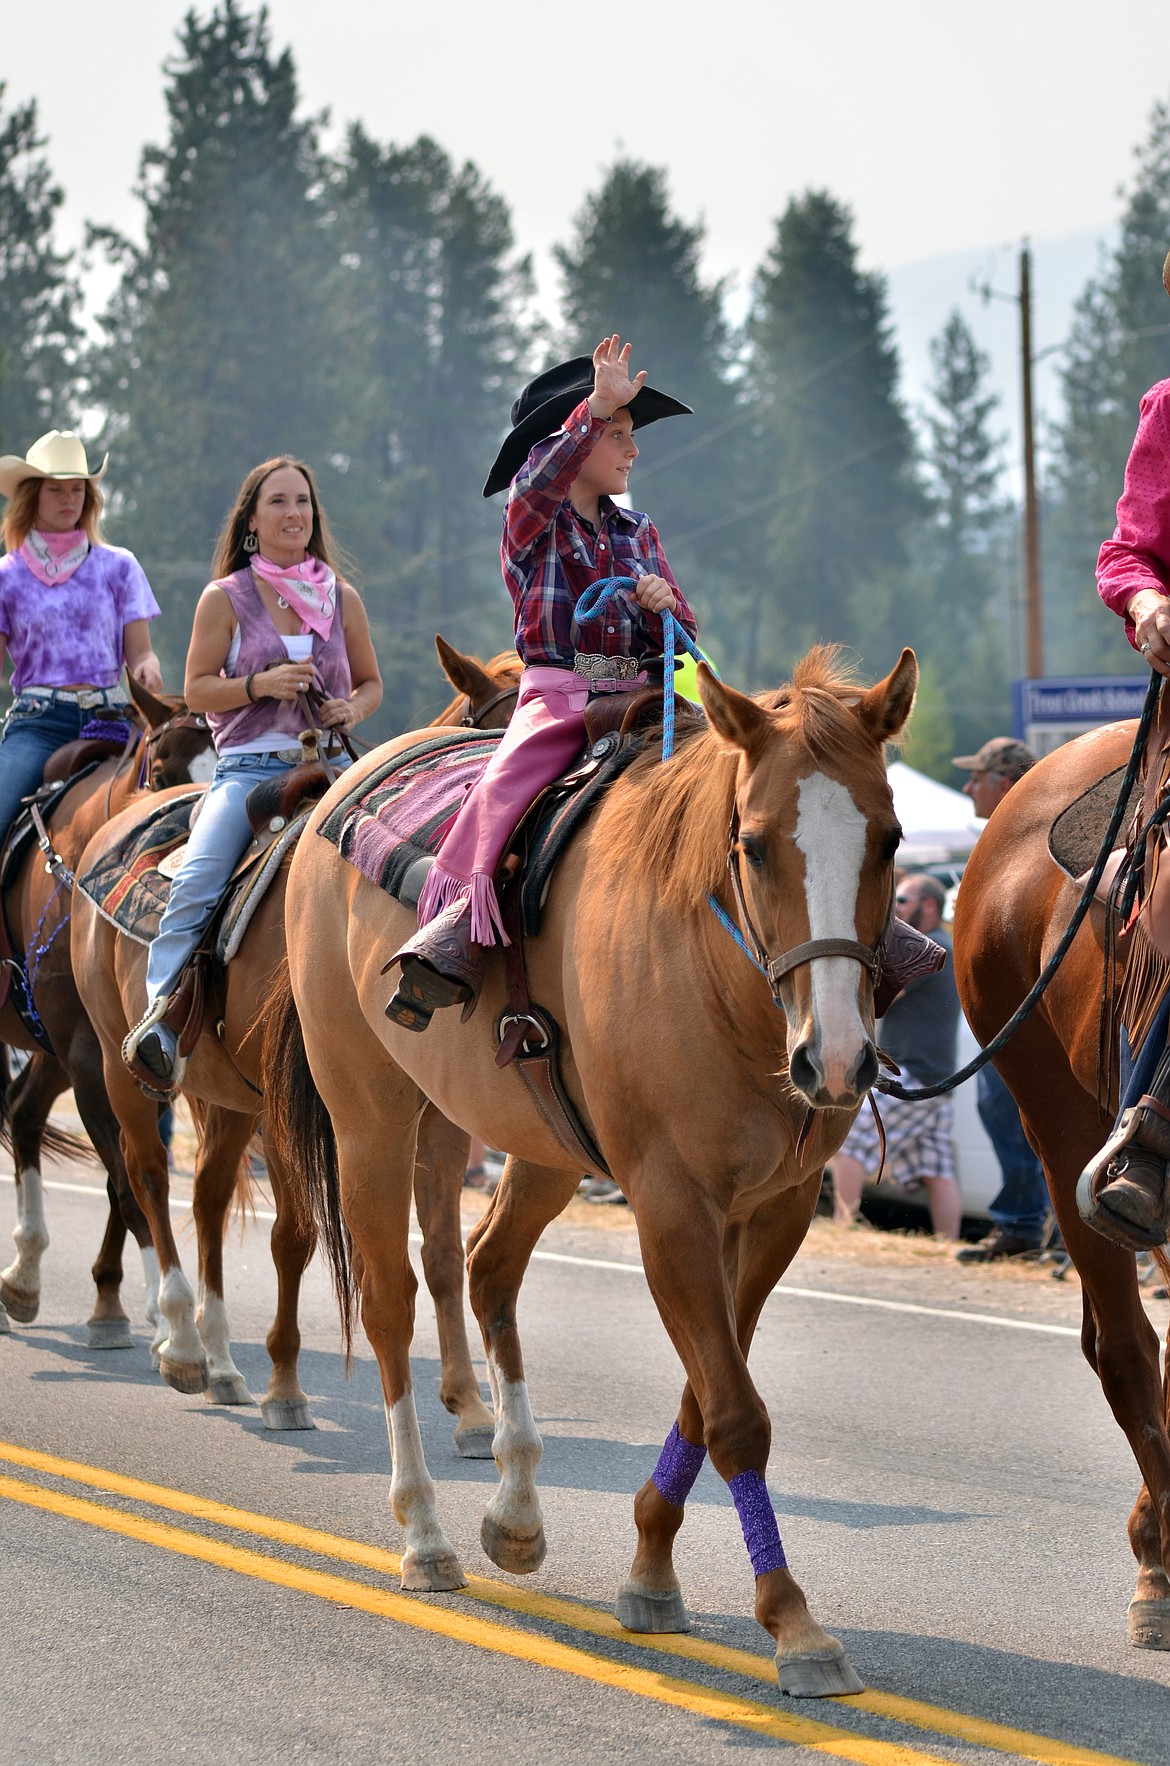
<point>937,823</point>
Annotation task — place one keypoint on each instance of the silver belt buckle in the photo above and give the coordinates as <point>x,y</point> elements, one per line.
<point>604,672</point>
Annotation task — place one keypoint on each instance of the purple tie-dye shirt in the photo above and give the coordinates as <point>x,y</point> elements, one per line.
<point>72,632</point>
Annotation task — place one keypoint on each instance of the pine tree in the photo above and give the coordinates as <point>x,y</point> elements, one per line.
<point>633,267</point>
<point>434,313</point>
<point>829,477</point>
<point>963,591</point>
<point>218,345</point>
<point>1118,347</point>
<point>39,330</point>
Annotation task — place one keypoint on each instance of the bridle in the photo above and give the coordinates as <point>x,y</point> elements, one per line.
<point>182,720</point>
<point>776,968</point>
<point>473,719</point>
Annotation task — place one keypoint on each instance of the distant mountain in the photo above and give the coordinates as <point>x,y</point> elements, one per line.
<point>923,294</point>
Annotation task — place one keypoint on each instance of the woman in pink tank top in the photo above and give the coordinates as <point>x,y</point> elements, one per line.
<point>277,623</point>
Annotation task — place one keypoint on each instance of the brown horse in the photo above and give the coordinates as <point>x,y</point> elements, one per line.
<point>1013,906</point>
<point>193,1350</point>
<point>37,909</point>
<point>715,1110</point>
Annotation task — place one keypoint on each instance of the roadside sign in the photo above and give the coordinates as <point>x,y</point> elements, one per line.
<point>1053,710</point>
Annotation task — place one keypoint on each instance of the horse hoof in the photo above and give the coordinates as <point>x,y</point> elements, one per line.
<point>109,1333</point>
<point>1149,1624</point>
<point>438,1574</point>
<point>818,1674</point>
<point>227,1389</point>
<point>518,1553</point>
<point>5,1323</point>
<point>650,1609</point>
<point>286,1413</point>
<point>22,1307</point>
<point>183,1376</point>
<point>475,1442</point>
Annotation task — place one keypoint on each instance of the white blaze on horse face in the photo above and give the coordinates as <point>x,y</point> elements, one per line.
<point>201,769</point>
<point>831,832</point>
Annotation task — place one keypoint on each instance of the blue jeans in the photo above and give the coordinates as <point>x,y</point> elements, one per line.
<point>1021,1207</point>
<point>221,835</point>
<point>33,730</point>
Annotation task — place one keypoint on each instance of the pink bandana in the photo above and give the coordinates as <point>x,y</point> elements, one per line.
<point>309,588</point>
<point>53,557</point>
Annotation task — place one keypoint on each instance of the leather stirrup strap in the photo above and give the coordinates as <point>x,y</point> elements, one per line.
<point>530,1041</point>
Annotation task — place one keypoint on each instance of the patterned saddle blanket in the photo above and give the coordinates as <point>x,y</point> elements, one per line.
<point>398,814</point>
<point>131,884</point>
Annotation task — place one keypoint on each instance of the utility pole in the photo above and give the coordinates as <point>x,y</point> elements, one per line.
<point>1033,586</point>
<point>1033,581</point>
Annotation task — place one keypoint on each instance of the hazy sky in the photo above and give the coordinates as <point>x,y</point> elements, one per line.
<point>947,128</point>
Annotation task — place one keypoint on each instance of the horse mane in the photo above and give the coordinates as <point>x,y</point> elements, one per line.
<point>674,832</point>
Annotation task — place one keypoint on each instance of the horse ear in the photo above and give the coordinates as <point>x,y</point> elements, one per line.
<point>156,711</point>
<point>885,708</point>
<point>463,672</point>
<point>732,715</point>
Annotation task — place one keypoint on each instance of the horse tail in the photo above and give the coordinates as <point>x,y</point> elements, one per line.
<point>298,1126</point>
<point>1163,1262</point>
<point>54,1143</point>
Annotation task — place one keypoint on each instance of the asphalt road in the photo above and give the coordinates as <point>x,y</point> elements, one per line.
<point>952,1495</point>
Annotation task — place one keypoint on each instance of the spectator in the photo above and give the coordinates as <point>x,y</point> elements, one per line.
<point>1019,1212</point>
<point>999,764</point>
<point>920,1032</point>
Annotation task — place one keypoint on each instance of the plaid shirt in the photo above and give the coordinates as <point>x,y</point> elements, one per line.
<point>550,556</point>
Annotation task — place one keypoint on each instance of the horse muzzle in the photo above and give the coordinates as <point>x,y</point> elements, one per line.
<point>828,1087</point>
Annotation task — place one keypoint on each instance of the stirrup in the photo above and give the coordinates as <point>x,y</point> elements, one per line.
<point>1138,1148</point>
<point>422,991</point>
<point>151,1084</point>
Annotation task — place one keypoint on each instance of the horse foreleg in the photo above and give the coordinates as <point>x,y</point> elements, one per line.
<point>440,1162</point>
<point>650,1599</point>
<point>226,1134</point>
<point>1117,1338</point>
<point>30,1099</point>
<point>285,1405</point>
<point>498,1250</point>
<point>698,1291</point>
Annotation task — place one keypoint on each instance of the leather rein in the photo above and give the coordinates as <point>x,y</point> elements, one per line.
<point>775,968</point>
<point>473,719</point>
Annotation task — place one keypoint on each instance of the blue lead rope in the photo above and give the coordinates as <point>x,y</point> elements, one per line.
<point>590,605</point>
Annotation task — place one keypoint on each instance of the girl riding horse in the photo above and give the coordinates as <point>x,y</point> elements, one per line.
<point>73,610</point>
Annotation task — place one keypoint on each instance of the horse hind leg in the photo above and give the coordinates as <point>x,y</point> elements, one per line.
<point>285,1404</point>
<point>498,1251</point>
<point>440,1161</point>
<point>375,1168</point>
<point>30,1099</point>
<point>226,1134</point>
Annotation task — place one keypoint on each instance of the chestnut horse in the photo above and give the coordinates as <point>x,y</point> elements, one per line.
<point>715,1110</point>
<point>37,909</point>
<point>1013,905</point>
<point>193,1351</point>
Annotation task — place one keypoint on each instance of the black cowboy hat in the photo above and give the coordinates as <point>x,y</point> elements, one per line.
<point>547,401</point>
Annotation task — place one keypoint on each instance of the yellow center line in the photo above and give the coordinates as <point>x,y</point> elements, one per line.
<point>462,1627</point>
<point>914,1713</point>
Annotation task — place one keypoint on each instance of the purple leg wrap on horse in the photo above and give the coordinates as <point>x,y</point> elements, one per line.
<point>757,1518</point>
<point>679,1464</point>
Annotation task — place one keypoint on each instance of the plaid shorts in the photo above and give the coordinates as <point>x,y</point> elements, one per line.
<point>918,1138</point>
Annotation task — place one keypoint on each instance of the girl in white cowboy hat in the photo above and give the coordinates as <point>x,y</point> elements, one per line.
<point>73,610</point>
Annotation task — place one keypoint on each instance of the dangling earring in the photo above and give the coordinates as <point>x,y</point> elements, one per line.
<point>251,543</point>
